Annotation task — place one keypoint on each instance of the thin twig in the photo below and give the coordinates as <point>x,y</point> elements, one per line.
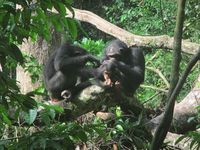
<point>160,74</point>
<point>156,94</point>
<point>152,58</point>
<point>154,88</point>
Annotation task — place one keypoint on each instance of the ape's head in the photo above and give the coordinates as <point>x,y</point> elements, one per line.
<point>116,49</point>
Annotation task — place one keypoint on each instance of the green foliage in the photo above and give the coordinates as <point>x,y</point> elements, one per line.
<point>21,20</point>
<point>11,98</point>
<point>129,132</point>
<point>59,136</point>
<point>192,15</point>
<point>194,137</point>
<point>32,66</point>
<point>126,131</point>
<point>143,17</point>
<point>32,19</point>
<point>161,60</point>
<point>30,116</point>
<point>94,47</point>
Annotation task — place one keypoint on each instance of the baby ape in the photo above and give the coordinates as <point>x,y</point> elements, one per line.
<point>123,65</point>
<point>66,71</point>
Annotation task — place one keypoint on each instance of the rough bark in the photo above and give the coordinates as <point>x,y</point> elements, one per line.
<point>94,97</point>
<point>162,41</point>
<point>41,50</point>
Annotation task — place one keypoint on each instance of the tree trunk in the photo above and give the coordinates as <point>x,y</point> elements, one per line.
<point>41,50</point>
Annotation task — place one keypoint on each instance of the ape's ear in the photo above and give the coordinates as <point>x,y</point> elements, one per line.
<point>125,50</point>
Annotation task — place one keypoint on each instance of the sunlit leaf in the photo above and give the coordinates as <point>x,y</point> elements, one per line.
<point>30,116</point>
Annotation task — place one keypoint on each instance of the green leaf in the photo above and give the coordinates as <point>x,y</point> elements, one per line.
<point>46,4</point>
<point>10,7</point>
<point>57,108</point>
<point>3,113</point>
<point>101,132</point>
<point>52,113</point>
<point>5,20</point>
<point>40,13</point>
<point>6,119</point>
<point>192,144</point>
<point>56,22</point>
<point>82,136</point>
<point>119,127</point>
<point>180,139</point>
<point>29,102</point>
<point>13,51</point>
<point>72,28</point>
<point>69,2</point>
<point>26,16</point>
<point>30,116</point>
<point>118,112</point>
<point>45,117</point>
<point>60,8</point>
<point>17,53</point>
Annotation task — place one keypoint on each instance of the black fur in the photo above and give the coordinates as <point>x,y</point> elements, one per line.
<point>66,70</point>
<point>125,64</point>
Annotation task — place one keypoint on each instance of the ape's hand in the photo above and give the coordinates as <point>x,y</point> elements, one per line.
<point>107,78</point>
<point>94,60</point>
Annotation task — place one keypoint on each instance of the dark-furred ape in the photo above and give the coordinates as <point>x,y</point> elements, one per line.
<point>66,73</point>
<point>123,65</point>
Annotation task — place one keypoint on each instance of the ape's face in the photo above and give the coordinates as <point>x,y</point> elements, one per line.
<point>116,50</point>
<point>117,53</point>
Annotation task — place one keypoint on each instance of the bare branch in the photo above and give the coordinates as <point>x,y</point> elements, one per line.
<point>162,41</point>
<point>154,88</point>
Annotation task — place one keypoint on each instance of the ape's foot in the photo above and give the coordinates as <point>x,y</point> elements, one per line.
<point>66,94</point>
<point>54,100</point>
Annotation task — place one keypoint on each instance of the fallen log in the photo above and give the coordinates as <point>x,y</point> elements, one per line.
<point>182,112</point>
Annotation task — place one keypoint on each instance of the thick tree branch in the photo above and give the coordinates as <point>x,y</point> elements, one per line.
<point>162,41</point>
<point>164,125</point>
<point>166,118</point>
<point>94,97</point>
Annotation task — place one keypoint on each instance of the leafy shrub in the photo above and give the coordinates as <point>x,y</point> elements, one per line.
<point>94,47</point>
<point>193,137</point>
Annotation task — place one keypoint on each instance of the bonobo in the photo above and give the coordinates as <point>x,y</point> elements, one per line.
<point>123,65</point>
<point>66,72</point>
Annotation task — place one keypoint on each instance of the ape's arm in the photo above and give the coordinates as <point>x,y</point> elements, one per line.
<point>134,71</point>
<point>63,62</point>
<point>65,67</point>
